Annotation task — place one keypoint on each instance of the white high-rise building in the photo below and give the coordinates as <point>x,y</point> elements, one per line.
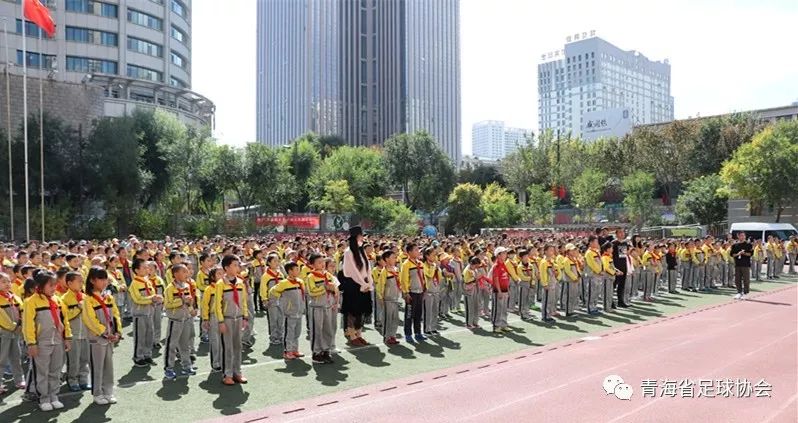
<point>491,139</point>
<point>592,88</point>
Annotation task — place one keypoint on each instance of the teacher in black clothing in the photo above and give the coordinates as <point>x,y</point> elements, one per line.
<point>620,248</point>
<point>742,251</point>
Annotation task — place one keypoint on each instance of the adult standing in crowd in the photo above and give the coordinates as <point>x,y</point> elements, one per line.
<point>620,248</point>
<point>356,287</point>
<point>742,251</point>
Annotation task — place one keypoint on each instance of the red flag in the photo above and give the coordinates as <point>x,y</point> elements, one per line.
<point>38,13</point>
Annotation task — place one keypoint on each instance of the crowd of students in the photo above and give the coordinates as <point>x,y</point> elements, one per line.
<point>63,306</point>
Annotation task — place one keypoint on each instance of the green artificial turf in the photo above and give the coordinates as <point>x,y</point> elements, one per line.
<point>143,394</point>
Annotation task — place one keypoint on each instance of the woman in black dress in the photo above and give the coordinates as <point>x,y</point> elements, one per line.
<point>356,287</point>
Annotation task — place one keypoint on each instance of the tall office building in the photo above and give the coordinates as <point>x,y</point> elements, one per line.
<point>491,139</point>
<point>592,88</point>
<point>363,70</point>
<point>107,58</point>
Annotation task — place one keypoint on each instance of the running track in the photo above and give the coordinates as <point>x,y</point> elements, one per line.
<point>751,340</point>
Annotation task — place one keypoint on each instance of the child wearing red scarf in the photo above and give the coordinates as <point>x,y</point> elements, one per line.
<point>500,281</point>
<point>10,324</point>
<point>78,356</point>
<point>104,327</point>
<point>48,336</point>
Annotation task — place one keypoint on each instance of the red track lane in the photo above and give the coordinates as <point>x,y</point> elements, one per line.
<point>750,340</point>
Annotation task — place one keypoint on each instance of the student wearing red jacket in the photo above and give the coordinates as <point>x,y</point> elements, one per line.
<point>500,281</point>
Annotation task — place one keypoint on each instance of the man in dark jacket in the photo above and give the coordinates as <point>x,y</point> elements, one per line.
<point>620,247</point>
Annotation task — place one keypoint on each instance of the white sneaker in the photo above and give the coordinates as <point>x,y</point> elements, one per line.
<point>744,297</point>
<point>57,405</point>
<point>46,406</point>
<point>111,399</point>
<point>100,400</point>
<point>738,296</point>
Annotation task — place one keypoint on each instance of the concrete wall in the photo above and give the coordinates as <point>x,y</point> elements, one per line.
<point>738,211</point>
<point>75,104</point>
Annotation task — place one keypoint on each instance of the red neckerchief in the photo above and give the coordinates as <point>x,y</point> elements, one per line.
<point>146,284</point>
<point>235,291</point>
<point>11,299</point>
<point>106,312</point>
<point>61,290</point>
<point>78,295</point>
<point>272,273</point>
<point>54,313</point>
<point>19,282</point>
<point>299,284</point>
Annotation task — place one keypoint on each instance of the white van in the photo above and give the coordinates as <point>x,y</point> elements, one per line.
<point>757,230</point>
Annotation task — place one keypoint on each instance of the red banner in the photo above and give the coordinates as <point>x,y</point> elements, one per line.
<point>298,221</point>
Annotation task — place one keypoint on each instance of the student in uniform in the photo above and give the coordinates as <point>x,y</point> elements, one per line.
<point>210,324</point>
<point>157,283</point>
<point>647,271</point>
<point>549,275</point>
<point>78,356</point>
<point>375,273</point>
<point>411,277</point>
<point>470,291</point>
<point>609,272</point>
<point>699,268</point>
<point>526,286</point>
<point>104,327</point>
<point>232,314</point>
<point>500,284</point>
<point>457,283</point>
<point>10,327</point>
<point>572,279</point>
<point>291,295</point>
<point>511,265</point>
<point>594,274</point>
<point>432,287</point>
<point>274,317</point>
<point>322,293</point>
<point>389,293</point>
<point>180,313</point>
<point>48,336</point>
<point>143,299</point>
<point>257,269</point>
<point>758,258</point>
<point>206,263</point>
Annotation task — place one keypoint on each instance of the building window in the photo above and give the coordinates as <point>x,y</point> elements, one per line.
<point>93,7</point>
<point>31,30</point>
<point>179,35</point>
<point>85,35</point>
<point>139,72</point>
<point>179,60</point>
<point>143,19</point>
<point>144,47</point>
<point>175,82</point>
<point>180,8</point>
<point>34,60</point>
<point>89,65</point>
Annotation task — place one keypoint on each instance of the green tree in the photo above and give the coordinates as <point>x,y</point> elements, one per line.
<point>301,158</point>
<point>480,174</point>
<point>417,164</point>
<point>500,207</point>
<point>765,170</point>
<point>638,189</point>
<point>541,204</point>
<point>363,168</point>
<point>465,211</point>
<point>587,190</point>
<point>337,198</point>
<point>404,222</point>
<point>702,201</point>
<point>157,131</point>
<point>528,164</point>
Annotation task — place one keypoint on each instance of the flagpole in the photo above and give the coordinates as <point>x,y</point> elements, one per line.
<point>8,131</point>
<point>25,119</point>
<point>41,128</point>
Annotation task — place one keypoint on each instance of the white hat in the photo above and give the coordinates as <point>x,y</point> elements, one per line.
<point>500,250</point>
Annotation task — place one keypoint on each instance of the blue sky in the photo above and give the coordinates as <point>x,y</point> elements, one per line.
<point>725,55</point>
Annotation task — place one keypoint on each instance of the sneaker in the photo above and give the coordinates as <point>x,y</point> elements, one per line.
<point>216,369</point>
<point>247,344</point>
<point>157,345</point>
<point>204,339</point>
<point>228,381</point>
<point>317,359</point>
<point>57,405</point>
<point>328,358</point>
<point>21,385</point>
<point>240,379</point>
<point>101,401</point>
<point>435,332</point>
<point>297,354</point>
<point>193,357</point>
<point>420,337</point>
<point>738,296</point>
<point>744,297</point>
<point>188,372</point>
<point>169,374</point>
<point>288,356</point>
<point>74,388</point>
<point>46,406</point>
<point>85,386</point>
<point>111,399</point>
<point>409,339</point>
<point>497,331</point>
<point>391,341</point>
<point>150,361</point>
<point>363,341</point>
<point>140,363</point>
